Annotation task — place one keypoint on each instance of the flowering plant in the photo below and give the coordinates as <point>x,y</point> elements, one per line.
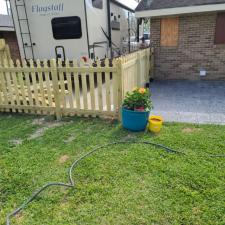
<point>138,100</point>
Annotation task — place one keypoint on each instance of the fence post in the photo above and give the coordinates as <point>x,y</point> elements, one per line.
<point>7,50</point>
<point>152,63</point>
<point>139,70</point>
<point>120,85</point>
<point>4,52</point>
<point>147,63</point>
<point>55,83</point>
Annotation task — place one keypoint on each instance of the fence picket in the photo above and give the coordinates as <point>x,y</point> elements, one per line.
<point>28,86</point>
<point>107,87</point>
<point>119,90</point>
<point>15,86</point>
<point>84,87</point>
<point>9,86</point>
<point>115,86</point>
<point>77,86</point>
<point>3,88</point>
<point>48,85</point>
<point>42,97</point>
<point>34,86</point>
<point>1,96</point>
<point>55,84</point>
<point>62,85</point>
<point>22,94</point>
<point>99,84</point>
<point>69,85</point>
<point>92,88</point>
<point>84,90</point>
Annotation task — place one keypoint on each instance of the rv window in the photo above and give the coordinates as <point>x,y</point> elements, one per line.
<point>66,27</point>
<point>97,4</point>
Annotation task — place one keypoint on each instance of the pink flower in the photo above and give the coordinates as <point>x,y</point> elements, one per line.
<point>140,109</point>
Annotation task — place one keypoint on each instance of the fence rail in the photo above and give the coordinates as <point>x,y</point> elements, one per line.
<point>74,87</point>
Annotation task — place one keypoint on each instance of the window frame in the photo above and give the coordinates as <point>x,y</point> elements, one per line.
<point>67,36</point>
<point>95,6</point>
<point>171,41</point>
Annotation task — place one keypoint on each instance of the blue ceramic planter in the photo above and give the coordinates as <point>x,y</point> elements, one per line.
<point>134,120</point>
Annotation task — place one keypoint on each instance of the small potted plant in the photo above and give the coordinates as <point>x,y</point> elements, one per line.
<point>135,109</point>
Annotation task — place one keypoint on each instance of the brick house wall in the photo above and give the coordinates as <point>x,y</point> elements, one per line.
<point>195,50</point>
<point>11,40</point>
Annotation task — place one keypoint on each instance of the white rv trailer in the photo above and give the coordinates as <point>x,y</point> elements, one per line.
<point>72,28</point>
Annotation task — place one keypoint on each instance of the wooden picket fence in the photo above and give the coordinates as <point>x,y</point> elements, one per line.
<point>136,68</point>
<point>74,87</point>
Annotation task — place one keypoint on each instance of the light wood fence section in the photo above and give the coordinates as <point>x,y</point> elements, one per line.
<point>136,69</point>
<point>72,87</point>
<point>4,52</point>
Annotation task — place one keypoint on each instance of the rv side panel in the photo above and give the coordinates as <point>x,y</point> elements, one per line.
<point>57,28</point>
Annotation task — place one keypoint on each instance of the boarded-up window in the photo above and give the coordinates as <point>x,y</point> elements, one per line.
<point>220,29</point>
<point>169,31</point>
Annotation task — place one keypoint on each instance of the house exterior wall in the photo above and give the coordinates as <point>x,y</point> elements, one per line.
<point>11,40</point>
<point>195,50</point>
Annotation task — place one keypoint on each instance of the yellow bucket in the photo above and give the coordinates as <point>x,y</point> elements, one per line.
<point>155,124</point>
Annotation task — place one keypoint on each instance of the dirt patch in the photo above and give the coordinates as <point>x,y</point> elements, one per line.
<point>63,159</point>
<point>46,125</point>
<point>19,217</point>
<point>16,142</point>
<point>39,121</point>
<point>129,137</point>
<point>189,130</point>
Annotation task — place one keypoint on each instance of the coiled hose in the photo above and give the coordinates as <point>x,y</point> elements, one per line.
<point>71,183</point>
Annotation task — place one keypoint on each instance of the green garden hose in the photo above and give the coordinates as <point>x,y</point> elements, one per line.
<point>71,183</point>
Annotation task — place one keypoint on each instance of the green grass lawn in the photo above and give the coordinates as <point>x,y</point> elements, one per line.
<point>122,184</point>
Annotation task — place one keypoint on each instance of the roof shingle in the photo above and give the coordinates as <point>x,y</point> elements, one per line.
<point>164,4</point>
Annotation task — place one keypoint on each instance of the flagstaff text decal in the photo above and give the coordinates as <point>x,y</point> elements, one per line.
<point>47,9</point>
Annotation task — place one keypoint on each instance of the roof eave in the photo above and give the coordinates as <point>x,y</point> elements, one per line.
<point>5,28</point>
<point>180,10</point>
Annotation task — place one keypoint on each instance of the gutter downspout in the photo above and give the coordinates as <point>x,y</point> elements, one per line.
<point>109,27</point>
<point>129,32</point>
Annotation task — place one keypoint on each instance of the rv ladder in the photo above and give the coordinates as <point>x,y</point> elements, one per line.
<point>21,27</point>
